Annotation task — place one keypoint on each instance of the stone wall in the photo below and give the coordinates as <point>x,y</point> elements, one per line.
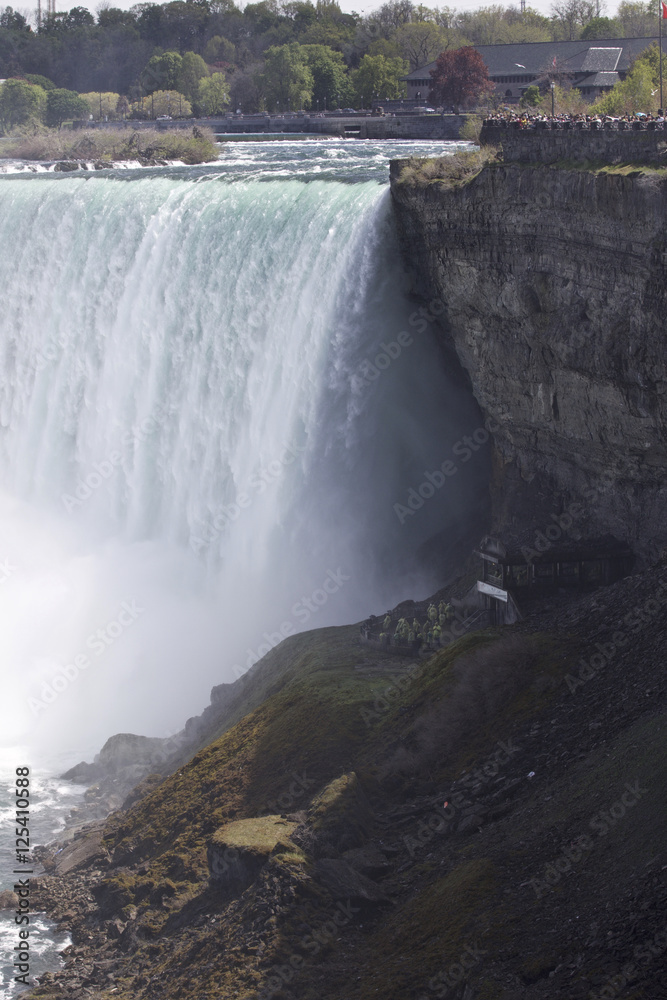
<point>529,145</point>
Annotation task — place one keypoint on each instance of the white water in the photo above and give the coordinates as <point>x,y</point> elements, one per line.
<point>187,450</point>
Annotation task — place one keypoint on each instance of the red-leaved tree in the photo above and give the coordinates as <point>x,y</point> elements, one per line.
<point>460,78</point>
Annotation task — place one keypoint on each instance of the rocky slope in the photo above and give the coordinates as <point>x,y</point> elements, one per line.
<point>485,825</point>
<point>554,285</point>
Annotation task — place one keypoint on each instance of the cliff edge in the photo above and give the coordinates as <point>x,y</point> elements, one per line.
<point>553,279</point>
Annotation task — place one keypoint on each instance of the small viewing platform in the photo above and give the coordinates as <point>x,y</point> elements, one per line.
<point>507,581</point>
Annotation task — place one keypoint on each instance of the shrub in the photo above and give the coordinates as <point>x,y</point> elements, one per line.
<point>195,145</point>
<point>459,167</point>
<point>471,129</point>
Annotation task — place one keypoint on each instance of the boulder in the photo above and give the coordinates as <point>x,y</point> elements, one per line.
<point>368,860</point>
<point>239,850</point>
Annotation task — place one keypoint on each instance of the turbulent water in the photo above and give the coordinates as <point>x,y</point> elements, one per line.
<point>198,454</point>
<point>198,451</point>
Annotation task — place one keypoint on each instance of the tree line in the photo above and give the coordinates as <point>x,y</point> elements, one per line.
<point>202,56</point>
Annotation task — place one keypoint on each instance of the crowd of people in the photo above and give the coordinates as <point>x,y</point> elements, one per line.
<point>402,632</point>
<point>637,122</point>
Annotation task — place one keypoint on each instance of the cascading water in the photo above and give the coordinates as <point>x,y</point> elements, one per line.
<point>195,456</point>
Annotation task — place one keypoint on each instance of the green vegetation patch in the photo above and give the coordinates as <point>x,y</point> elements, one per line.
<point>448,171</point>
<point>260,833</point>
<point>196,145</point>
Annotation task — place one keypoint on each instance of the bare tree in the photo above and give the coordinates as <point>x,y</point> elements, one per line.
<point>572,15</point>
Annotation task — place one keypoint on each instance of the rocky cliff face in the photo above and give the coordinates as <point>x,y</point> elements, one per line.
<point>555,287</point>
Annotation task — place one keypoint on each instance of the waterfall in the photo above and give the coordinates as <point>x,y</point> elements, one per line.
<point>198,452</point>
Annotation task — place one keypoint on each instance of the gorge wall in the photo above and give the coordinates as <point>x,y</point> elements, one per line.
<point>554,281</point>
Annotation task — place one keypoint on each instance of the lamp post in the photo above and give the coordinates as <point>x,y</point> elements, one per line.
<point>553,99</point>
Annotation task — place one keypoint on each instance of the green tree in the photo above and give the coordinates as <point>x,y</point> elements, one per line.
<point>63,105</point>
<point>602,27</point>
<point>77,17</point>
<point>381,77</point>
<point>331,82</point>
<point>261,17</point>
<point>494,25</point>
<point>40,81</point>
<point>219,49</point>
<point>20,102</point>
<point>332,27</point>
<point>193,70</point>
<point>636,18</point>
<point>12,20</point>
<point>287,81</point>
<point>162,72</point>
<point>301,12</point>
<point>639,90</point>
<point>162,102</point>
<point>102,105</point>
<point>531,97</point>
<point>213,95</point>
<point>386,47</point>
<point>114,17</point>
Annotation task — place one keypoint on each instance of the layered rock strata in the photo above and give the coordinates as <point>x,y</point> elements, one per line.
<point>554,283</point>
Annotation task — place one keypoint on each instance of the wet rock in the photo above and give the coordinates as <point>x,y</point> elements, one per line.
<point>84,851</point>
<point>66,166</point>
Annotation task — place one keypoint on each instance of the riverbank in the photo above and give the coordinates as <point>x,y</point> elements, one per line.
<point>105,147</point>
